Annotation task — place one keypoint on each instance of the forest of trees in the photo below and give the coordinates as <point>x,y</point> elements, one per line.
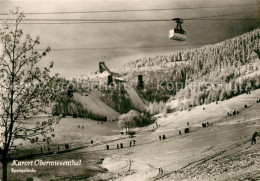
<point>207,58</point>
<point>157,107</point>
<point>219,71</point>
<point>118,100</point>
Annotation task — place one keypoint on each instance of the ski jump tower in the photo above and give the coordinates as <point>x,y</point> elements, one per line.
<point>101,67</point>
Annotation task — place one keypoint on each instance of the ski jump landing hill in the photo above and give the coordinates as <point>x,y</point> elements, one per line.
<point>93,102</point>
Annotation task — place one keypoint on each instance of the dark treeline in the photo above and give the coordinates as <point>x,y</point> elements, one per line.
<point>222,70</point>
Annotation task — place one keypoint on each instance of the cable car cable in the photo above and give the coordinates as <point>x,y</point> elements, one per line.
<point>127,20</point>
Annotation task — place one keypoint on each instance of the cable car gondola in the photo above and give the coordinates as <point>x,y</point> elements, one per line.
<point>178,33</point>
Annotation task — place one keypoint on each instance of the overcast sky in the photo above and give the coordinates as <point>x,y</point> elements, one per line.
<point>140,34</point>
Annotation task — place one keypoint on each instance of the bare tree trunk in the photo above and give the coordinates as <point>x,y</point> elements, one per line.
<point>4,164</point>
